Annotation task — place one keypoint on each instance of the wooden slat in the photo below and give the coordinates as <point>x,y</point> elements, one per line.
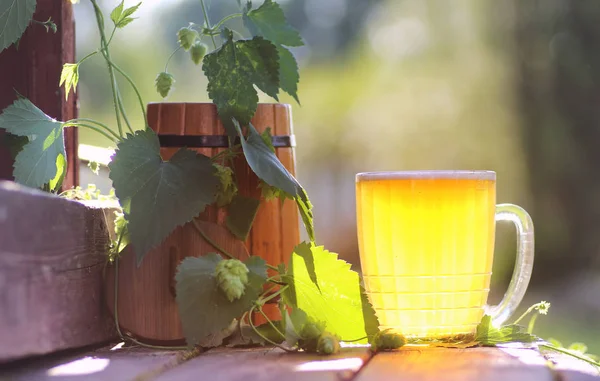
<point>268,364</point>
<point>441,364</point>
<point>34,71</point>
<point>201,120</point>
<point>290,228</point>
<point>266,230</point>
<point>52,252</point>
<point>224,364</point>
<point>96,365</point>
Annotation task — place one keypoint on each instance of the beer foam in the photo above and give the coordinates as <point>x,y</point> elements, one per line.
<point>427,175</point>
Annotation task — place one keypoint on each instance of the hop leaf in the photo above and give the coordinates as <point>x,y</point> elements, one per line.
<point>328,344</point>
<point>387,340</point>
<point>203,308</point>
<point>163,83</point>
<point>198,51</point>
<point>69,76</point>
<point>121,17</point>
<point>228,189</point>
<point>234,70</point>
<point>186,38</point>
<point>39,162</point>
<point>94,166</point>
<point>232,278</point>
<point>121,230</point>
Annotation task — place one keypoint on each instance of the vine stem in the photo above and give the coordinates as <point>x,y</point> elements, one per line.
<point>273,295</point>
<point>122,109</point>
<point>86,57</point>
<point>137,92</point>
<point>225,19</point>
<point>170,57</point>
<point>529,310</point>
<point>569,353</point>
<point>531,323</point>
<point>106,54</point>
<point>210,241</point>
<point>272,267</point>
<point>271,323</point>
<point>79,120</point>
<point>207,22</point>
<point>94,128</point>
<point>263,336</point>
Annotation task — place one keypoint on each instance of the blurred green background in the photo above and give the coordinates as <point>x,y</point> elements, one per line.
<point>511,86</point>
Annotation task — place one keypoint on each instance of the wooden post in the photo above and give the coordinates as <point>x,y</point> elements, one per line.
<point>146,304</point>
<point>34,70</point>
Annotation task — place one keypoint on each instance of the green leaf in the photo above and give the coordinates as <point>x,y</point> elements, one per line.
<point>305,209</point>
<point>121,17</point>
<point>61,171</point>
<point>245,335</point>
<point>240,216</point>
<point>304,251</point>
<point>156,195</point>
<point>15,15</point>
<point>266,165</point>
<point>233,70</point>
<point>69,76</point>
<point>116,13</point>
<point>216,339</point>
<point>339,304</point>
<point>131,10</point>
<point>267,137</point>
<point>288,72</point>
<point>578,347</point>
<point>203,308</point>
<point>294,324</point>
<point>269,21</point>
<point>488,335</point>
<point>555,342</point>
<point>121,230</point>
<point>35,165</point>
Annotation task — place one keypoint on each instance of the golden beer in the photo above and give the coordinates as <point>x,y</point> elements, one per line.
<point>426,243</point>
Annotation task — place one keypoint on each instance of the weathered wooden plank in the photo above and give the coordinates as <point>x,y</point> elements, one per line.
<point>52,253</point>
<point>268,364</point>
<point>99,365</point>
<point>440,364</point>
<point>34,71</point>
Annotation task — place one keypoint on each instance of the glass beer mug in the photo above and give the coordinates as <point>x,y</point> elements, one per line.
<point>426,241</point>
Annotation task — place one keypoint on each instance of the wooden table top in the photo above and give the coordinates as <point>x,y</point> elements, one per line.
<point>356,364</point>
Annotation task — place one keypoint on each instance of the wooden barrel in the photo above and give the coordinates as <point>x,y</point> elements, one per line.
<point>146,300</point>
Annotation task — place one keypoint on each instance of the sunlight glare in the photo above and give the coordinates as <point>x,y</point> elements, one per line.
<point>118,346</point>
<point>86,365</point>
<point>352,364</point>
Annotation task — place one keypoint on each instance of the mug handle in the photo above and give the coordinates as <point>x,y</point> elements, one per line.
<point>523,263</point>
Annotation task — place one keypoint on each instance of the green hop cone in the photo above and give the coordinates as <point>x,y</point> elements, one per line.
<point>227,189</point>
<point>387,340</point>
<point>232,278</point>
<point>186,37</point>
<point>328,344</point>
<point>310,334</point>
<point>198,51</point>
<point>163,83</point>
